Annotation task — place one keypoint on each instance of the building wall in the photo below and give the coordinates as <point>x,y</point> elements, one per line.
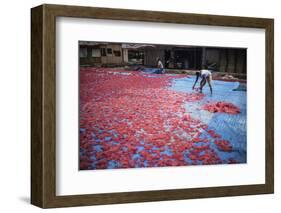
<point>86,58</point>
<point>112,58</point>
<point>125,56</point>
<point>241,64</point>
<point>227,60</point>
<point>95,57</point>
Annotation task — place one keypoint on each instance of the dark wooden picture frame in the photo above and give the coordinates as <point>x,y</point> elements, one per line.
<point>43,105</point>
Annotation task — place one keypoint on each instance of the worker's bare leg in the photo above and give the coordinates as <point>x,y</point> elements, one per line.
<point>209,80</point>
<point>202,84</point>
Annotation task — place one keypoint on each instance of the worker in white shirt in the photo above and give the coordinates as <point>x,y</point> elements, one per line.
<point>206,76</point>
<point>160,66</point>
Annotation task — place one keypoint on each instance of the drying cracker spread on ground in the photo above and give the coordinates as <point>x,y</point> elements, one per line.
<point>132,119</point>
<point>222,107</point>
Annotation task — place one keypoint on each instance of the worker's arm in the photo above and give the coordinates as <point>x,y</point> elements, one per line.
<point>197,77</point>
<point>211,89</point>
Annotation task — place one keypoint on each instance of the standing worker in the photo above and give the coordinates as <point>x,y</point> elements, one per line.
<point>206,76</point>
<point>160,66</point>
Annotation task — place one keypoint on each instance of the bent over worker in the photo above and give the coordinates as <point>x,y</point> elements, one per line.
<point>206,76</point>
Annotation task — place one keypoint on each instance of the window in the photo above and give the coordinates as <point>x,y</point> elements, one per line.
<point>96,53</point>
<point>83,52</point>
<point>117,53</point>
<point>136,56</point>
<point>109,51</point>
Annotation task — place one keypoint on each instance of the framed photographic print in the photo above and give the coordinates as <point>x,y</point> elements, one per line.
<point>137,106</point>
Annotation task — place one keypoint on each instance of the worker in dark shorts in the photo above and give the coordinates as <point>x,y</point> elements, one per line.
<point>206,77</point>
<point>160,66</point>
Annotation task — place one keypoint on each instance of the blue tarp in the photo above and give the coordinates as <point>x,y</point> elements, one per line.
<point>231,127</point>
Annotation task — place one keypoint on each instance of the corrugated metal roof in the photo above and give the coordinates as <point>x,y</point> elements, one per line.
<point>137,46</point>
<point>92,43</point>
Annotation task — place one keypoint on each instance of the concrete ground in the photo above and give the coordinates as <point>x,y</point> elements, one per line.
<point>134,119</point>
